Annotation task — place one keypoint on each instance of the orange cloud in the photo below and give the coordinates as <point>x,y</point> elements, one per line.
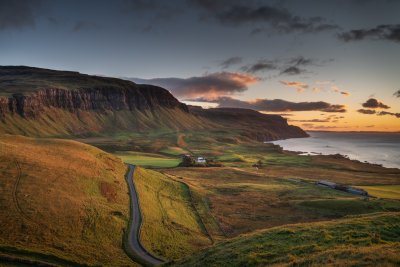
<point>299,86</point>
<point>209,86</point>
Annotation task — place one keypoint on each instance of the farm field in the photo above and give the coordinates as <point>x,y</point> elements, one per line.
<point>148,160</point>
<point>241,201</point>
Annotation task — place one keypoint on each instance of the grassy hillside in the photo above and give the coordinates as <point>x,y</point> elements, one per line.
<point>384,191</point>
<point>55,122</point>
<point>171,227</point>
<point>61,201</point>
<point>372,240</point>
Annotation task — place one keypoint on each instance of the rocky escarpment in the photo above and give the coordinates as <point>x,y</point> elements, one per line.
<point>27,91</point>
<point>138,97</point>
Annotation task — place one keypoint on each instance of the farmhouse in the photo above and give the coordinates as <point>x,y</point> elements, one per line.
<point>201,160</point>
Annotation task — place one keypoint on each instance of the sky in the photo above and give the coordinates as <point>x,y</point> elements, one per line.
<point>323,65</point>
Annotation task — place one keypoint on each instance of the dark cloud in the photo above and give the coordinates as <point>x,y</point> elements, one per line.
<point>366,111</point>
<point>209,86</point>
<point>397,93</point>
<point>293,65</point>
<point>381,32</point>
<point>262,16</point>
<point>374,103</point>
<point>301,61</point>
<point>231,61</point>
<point>293,70</point>
<point>290,66</point>
<point>260,66</point>
<point>382,113</point>
<point>18,14</point>
<point>278,105</point>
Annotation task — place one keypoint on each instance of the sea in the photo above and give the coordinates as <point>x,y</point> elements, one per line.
<point>378,148</point>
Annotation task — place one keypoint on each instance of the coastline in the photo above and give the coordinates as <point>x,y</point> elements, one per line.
<point>378,152</point>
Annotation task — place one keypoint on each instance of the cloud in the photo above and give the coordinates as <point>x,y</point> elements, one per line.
<point>321,127</point>
<point>374,103</point>
<point>301,61</point>
<point>263,16</point>
<point>293,70</point>
<point>381,32</point>
<point>336,89</point>
<point>18,14</point>
<point>397,93</point>
<point>278,105</point>
<point>345,93</point>
<point>366,111</point>
<point>313,120</point>
<point>230,61</point>
<point>299,86</point>
<point>260,66</point>
<point>209,86</point>
<point>291,66</point>
<point>382,113</point>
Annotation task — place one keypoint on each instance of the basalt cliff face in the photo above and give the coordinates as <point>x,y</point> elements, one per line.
<point>138,97</point>
<point>29,91</point>
<point>42,102</point>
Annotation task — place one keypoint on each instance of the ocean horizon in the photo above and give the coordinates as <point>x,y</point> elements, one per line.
<point>372,147</point>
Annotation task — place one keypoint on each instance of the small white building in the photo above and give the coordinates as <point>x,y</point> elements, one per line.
<point>201,160</point>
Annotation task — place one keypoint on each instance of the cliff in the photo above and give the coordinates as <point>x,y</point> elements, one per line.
<point>29,91</point>
<point>43,102</point>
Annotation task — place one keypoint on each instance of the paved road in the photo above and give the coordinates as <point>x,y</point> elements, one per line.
<point>133,238</point>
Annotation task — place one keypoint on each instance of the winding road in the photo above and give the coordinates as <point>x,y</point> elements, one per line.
<point>134,231</point>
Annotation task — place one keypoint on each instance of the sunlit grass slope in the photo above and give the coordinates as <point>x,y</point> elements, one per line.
<point>171,228</point>
<point>384,191</point>
<point>148,159</point>
<point>53,122</point>
<point>61,201</point>
<point>371,240</point>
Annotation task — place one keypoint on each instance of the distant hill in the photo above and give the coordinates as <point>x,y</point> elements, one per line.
<point>43,102</point>
<point>251,123</point>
